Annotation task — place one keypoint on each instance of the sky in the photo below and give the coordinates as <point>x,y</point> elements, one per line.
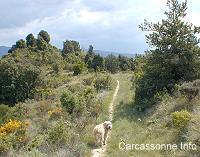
<point>110,25</point>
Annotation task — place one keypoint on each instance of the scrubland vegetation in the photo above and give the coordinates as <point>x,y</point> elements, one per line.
<point>51,99</point>
<point>164,107</point>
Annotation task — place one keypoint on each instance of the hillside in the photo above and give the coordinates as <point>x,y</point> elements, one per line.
<point>49,100</point>
<point>92,103</point>
<point>106,53</point>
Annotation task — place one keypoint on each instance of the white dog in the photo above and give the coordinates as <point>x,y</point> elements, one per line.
<point>101,132</point>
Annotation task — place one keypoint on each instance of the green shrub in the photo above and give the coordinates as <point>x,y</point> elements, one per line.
<point>18,80</point>
<point>5,145</point>
<point>58,134</point>
<point>103,82</point>
<point>72,103</point>
<point>56,67</point>
<point>180,119</point>
<point>19,112</point>
<point>68,101</point>
<point>78,68</point>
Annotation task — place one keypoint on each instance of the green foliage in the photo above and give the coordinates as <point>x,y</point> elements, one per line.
<point>124,63</point>
<point>69,101</point>
<point>57,67</point>
<point>18,80</point>
<point>20,44</point>
<point>89,57</point>
<point>44,35</point>
<point>18,112</point>
<point>30,40</point>
<point>175,58</point>
<point>112,63</point>
<point>58,134</point>
<point>98,63</point>
<point>181,119</point>
<point>103,82</point>
<point>70,46</point>
<point>90,50</point>
<point>41,44</point>
<point>3,111</point>
<point>78,68</point>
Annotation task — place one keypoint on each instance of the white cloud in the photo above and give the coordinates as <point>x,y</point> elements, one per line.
<point>110,25</point>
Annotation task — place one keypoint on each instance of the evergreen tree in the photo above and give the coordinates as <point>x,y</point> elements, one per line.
<point>89,57</point>
<point>44,35</point>
<point>30,40</point>
<point>112,63</point>
<point>71,46</point>
<point>98,63</point>
<point>20,44</point>
<point>175,57</point>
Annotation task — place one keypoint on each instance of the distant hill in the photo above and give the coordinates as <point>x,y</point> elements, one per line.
<point>3,50</point>
<point>106,53</point>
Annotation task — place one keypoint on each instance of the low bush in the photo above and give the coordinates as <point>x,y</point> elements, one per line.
<point>58,134</point>
<point>13,134</point>
<point>78,68</point>
<point>73,103</point>
<point>180,119</point>
<point>103,82</point>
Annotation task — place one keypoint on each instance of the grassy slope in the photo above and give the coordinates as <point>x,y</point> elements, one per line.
<point>155,127</point>
<point>126,127</point>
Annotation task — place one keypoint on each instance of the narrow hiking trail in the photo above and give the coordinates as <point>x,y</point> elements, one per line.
<point>100,152</point>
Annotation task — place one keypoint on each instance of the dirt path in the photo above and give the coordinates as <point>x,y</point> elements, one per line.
<point>100,152</point>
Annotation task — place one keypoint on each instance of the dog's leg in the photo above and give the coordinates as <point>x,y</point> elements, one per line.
<point>102,140</point>
<point>105,137</point>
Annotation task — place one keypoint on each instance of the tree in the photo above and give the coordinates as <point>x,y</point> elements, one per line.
<point>18,80</point>
<point>112,63</point>
<point>175,57</point>
<point>30,40</point>
<point>90,50</point>
<point>89,57</point>
<point>44,35</point>
<point>20,44</point>
<point>41,44</point>
<point>78,68</point>
<point>98,63</point>
<point>124,63</point>
<point>76,46</point>
<point>12,48</point>
<point>70,46</point>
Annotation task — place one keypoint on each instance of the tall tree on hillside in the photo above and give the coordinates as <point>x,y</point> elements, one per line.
<point>20,44</point>
<point>44,35</point>
<point>124,63</point>
<point>175,57</point>
<point>41,44</point>
<point>71,46</point>
<point>90,50</point>
<point>98,63</point>
<point>89,57</point>
<point>112,63</point>
<point>30,40</point>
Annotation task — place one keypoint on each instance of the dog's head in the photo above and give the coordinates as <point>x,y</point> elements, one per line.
<point>107,125</point>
